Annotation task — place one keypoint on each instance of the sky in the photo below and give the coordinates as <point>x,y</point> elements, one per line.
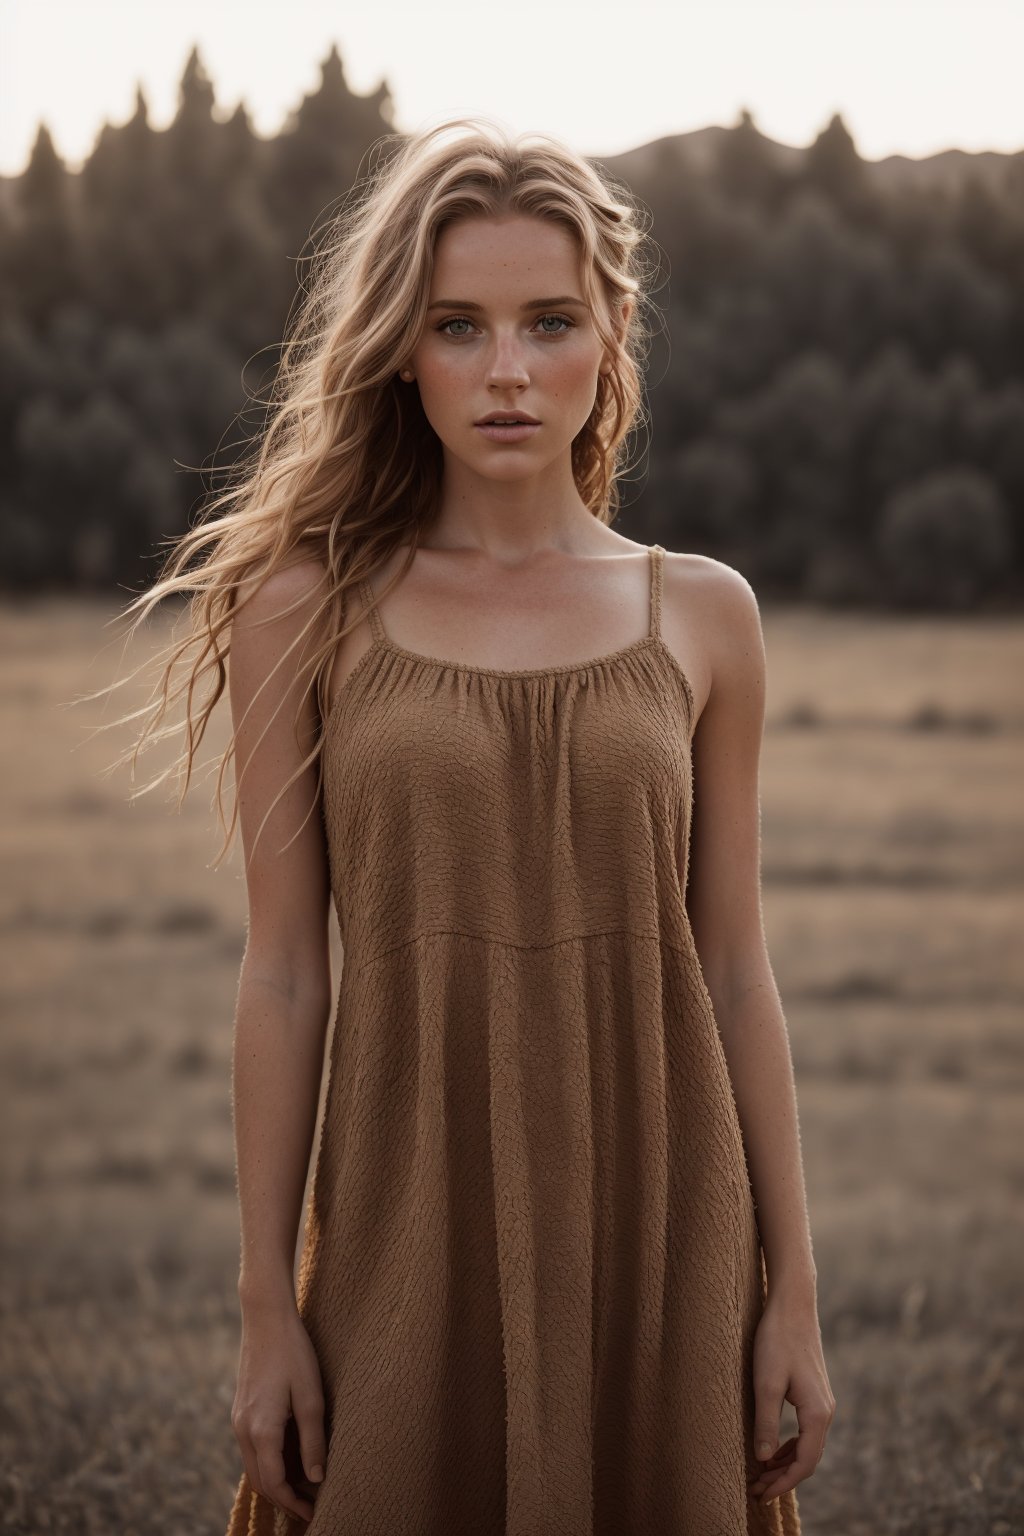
<point>908,76</point>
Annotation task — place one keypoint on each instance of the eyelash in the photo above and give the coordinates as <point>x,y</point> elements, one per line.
<point>552,316</point>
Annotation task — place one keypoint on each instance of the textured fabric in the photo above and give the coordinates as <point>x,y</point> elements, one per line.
<point>531,1270</point>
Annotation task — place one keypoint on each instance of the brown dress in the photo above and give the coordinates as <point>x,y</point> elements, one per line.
<point>532,1270</point>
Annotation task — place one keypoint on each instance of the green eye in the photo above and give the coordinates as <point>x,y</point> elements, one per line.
<point>464,320</point>
<point>455,320</point>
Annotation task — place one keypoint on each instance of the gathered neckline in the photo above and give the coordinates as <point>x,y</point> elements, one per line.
<point>514,672</point>
<point>382,643</point>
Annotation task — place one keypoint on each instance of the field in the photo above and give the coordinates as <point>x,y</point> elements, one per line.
<point>893,878</point>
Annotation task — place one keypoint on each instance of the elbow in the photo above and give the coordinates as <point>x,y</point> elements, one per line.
<point>298,984</point>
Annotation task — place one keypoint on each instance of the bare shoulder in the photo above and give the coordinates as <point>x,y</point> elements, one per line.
<point>712,623</point>
<point>272,640</point>
<point>292,592</point>
<point>276,724</point>
<point>273,611</point>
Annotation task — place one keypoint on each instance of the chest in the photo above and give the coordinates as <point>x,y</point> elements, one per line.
<point>425,743</point>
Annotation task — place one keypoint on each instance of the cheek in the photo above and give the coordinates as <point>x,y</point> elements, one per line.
<point>442,375</point>
<point>570,374</point>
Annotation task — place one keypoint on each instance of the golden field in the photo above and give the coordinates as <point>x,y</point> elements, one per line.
<point>893,826</point>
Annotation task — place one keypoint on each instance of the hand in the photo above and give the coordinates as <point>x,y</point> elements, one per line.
<point>789,1365</point>
<point>278,1415</point>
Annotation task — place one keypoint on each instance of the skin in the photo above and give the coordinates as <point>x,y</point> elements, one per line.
<point>518,574</point>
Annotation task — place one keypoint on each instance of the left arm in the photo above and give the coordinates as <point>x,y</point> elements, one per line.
<point>724,906</point>
<point>723,902</point>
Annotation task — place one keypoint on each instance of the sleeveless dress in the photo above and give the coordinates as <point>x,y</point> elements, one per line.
<point>531,1270</point>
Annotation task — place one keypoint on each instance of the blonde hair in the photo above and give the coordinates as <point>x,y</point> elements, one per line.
<point>348,467</point>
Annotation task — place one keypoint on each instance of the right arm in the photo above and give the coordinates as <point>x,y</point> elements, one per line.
<point>282,1014</point>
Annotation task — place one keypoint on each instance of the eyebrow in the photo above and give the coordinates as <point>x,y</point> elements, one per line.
<point>530,303</point>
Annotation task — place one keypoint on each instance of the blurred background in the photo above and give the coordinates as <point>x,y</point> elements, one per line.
<point>836,392</point>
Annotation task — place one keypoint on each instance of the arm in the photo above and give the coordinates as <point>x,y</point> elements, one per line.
<point>281,1020</point>
<point>723,902</point>
<point>724,906</point>
<point>284,988</point>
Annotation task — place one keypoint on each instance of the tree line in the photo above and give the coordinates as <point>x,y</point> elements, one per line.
<point>835,379</point>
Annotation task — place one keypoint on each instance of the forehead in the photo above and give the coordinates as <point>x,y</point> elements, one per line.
<point>493,256</point>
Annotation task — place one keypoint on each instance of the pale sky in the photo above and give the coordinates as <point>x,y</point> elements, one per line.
<point>909,76</point>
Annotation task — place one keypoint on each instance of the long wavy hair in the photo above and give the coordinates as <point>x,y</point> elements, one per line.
<point>347,466</point>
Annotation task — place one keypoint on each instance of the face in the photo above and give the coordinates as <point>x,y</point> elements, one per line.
<point>488,346</point>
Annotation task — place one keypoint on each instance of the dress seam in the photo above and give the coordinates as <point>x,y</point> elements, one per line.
<point>502,943</point>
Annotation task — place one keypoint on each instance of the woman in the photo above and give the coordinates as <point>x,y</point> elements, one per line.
<point>534,1295</point>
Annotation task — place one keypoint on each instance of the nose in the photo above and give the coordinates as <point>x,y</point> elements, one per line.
<point>506,363</point>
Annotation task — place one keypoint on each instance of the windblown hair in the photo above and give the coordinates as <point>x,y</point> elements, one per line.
<point>347,466</point>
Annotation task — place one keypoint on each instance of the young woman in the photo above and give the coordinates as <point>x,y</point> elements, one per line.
<point>557,1275</point>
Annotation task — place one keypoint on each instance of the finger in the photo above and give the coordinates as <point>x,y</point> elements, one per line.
<point>312,1440</point>
<point>272,1477</point>
<point>283,1495</point>
<point>765,1481</point>
<point>785,1450</point>
<point>808,1454</point>
<point>787,1477</point>
<point>783,1458</point>
<point>250,1464</point>
<point>769,1396</point>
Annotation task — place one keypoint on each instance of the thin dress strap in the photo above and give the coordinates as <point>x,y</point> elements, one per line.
<point>657,559</point>
<point>370,607</point>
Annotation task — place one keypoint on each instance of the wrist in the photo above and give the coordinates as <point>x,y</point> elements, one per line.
<point>796,1286</point>
<point>266,1293</point>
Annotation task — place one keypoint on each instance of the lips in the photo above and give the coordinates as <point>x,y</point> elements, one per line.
<point>517,432</point>
<point>514,418</point>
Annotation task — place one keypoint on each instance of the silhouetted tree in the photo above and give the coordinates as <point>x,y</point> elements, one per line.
<point>192,149</point>
<point>834,167</point>
<point>713,487</point>
<point>944,541</point>
<point>995,425</point>
<point>952,305</point>
<point>122,255</point>
<point>837,393</point>
<point>317,154</point>
<point>41,265</point>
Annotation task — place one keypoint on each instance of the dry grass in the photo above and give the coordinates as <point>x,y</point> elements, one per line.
<point>894,864</point>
